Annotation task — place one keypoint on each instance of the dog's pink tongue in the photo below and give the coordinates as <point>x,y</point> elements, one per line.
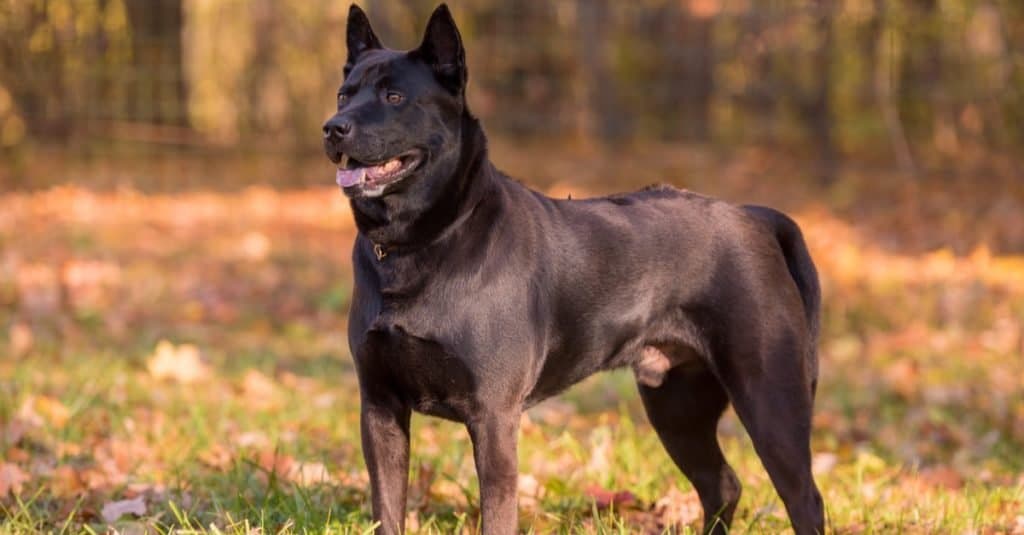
<point>350,177</point>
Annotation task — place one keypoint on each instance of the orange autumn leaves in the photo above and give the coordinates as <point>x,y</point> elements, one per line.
<point>177,363</point>
<point>221,319</point>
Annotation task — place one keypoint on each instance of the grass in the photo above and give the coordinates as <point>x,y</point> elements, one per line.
<point>253,427</point>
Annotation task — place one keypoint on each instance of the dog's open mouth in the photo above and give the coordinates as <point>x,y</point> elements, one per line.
<point>353,173</point>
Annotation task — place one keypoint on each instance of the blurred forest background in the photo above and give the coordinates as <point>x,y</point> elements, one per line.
<point>924,86</point>
<point>175,257</point>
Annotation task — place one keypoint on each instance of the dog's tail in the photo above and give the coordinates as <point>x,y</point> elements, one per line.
<point>802,270</point>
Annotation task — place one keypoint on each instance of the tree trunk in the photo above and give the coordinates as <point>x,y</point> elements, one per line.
<point>605,119</point>
<point>758,100</point>
<point>817,106</point>
<point>881,59</point>
<point>922,100</point>
<point>689,63</point>
<point>159,88</point>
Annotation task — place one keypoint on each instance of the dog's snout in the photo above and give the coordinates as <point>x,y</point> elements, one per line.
<point>338,128</point>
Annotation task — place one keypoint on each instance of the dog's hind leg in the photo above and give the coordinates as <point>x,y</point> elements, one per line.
<point>684,410</point>
<point>774,405</point>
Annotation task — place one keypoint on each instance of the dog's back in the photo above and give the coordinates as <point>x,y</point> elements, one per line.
<point>653,268</point>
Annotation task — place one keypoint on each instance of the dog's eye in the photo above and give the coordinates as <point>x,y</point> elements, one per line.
<point>342,98</point>
<point>393,97</point>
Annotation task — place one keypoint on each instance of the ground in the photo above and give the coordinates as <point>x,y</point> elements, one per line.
<point>178,360</point>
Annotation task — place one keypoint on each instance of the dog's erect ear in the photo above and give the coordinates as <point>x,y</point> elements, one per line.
<point>360,36</point>
<point>442,50</point>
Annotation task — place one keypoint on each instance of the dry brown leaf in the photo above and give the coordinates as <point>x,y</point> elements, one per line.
<point>38,288</point>
<point>18,455</point>
<point>311,473</point>
<point>11,433</point>
<point>942,477</point>
<point>87,282</point>
<point>216,456</point>
<point>53,410</point>
<point>259,390</point>
<point>412,521</point>
<point>445,490</point>
<point>66,481</point>
<point>39,410</point>
<point>177,363</point>
<point>605,498</point>
<point>112,511</point>
<point>903,377</point>
<point>255,246</point>
<point>530,491</point>
<point>678,508</point>
<point>67,449</point>
<point>20,339</point>
<point>252,439</point>
<point>823,463</point>
<point>275,462</point>
<point>12,479</point>
<point>600,462</point>
<point>287,467</point>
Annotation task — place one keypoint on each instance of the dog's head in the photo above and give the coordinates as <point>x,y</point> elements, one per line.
<point>399,115</point>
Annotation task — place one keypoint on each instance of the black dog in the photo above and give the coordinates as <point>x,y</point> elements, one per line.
<point>476,297</point>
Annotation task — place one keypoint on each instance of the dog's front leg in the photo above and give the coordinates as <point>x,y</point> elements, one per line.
<point>385,430</point>
<point>494,437</point>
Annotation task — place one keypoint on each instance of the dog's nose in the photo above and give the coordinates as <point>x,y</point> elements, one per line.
<point>337,128</point>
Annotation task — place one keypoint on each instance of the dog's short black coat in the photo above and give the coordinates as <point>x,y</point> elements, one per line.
<point>476,297</point>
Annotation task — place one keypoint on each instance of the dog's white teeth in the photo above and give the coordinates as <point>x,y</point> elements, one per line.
<point>343,164</point>
<point>385,168</point>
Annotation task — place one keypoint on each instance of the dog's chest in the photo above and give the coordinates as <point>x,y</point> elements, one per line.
<point>424,372</point>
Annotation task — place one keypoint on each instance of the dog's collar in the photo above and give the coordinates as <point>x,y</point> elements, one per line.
<point>380,252</point>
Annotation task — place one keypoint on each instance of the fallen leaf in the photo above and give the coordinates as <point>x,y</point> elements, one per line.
<point>276,463</point>
<point>12,478</point>
<point>39,410</point>
<point>21,339</point>
<point>412,521</point>
<point>605,498</point>
<point>600,463</point>
<point>446,490</point>
<point>18,455</point>
<point>38,289</point>
<point>306,474</point>
<point>530,491</point>
<point>903,377</point>
<point>66,481</point>
<point>677,508</point>
<point>216,456</point>
<point>255,246</point>
<point>942,477</point>
<point>259,390</point>
<point>112,511</point>
<point>177,363</point>
<point>823,463</point>
<point>252,439</point>
<point>11,433</point>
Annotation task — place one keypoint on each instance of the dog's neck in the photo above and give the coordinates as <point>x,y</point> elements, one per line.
<point>392,224</point>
